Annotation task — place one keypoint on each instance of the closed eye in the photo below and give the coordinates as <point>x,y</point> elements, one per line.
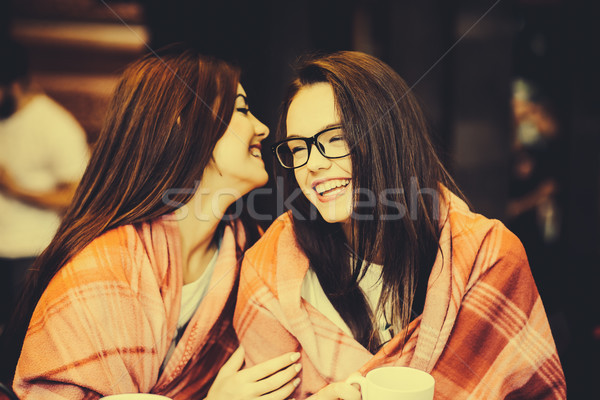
<point>336,139</point>
<point>297,149</point>
<point>243,110</point>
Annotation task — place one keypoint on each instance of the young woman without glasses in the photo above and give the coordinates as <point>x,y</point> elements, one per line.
<point>379,261</point>
<point>136,292</point>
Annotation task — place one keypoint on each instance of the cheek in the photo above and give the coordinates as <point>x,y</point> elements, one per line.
<point>299,177</point>
<point>346,165</point>
<point>301,181</point>
<point>245,131</point>
<point>240,130</point>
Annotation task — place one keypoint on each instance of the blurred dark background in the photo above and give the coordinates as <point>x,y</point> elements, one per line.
<point>463,59</point>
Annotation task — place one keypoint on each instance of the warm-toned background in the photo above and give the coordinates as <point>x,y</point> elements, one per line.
<point>460,56</point>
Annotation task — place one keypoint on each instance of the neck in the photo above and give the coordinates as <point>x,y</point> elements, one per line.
<point>198,221</point>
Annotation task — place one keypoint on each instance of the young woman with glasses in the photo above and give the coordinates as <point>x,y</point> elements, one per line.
<point>136,292</point>
<point>379,261</point>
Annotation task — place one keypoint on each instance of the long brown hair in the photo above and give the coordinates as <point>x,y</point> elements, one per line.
<point>168,111</point>
<point>391,153</point>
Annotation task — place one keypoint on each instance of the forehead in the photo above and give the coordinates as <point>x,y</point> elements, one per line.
<point>311,110</point>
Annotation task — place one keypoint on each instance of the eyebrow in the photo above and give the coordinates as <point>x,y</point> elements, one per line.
<point>324,128</point>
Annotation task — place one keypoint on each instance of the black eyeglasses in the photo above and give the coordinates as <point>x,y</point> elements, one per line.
<point>294,152</point>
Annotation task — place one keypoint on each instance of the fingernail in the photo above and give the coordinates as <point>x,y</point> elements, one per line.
<point>295,356</point>
<point>296,382</point>
<point>298,367</point>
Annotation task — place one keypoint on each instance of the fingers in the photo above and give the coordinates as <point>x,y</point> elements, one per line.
<point>352,378</point>
<point>234,363</point>
<point>283,392</point>
<point>263,370</point>
<point>277,380</point>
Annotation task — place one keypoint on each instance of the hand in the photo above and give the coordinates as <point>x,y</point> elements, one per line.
<point>337,390</point>
<point>271,380</point>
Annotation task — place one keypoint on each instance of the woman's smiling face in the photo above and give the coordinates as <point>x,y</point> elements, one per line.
<point>327,183</point>
<point>237,154</point>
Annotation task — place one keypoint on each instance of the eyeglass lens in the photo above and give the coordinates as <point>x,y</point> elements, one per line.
<point>331,144</point>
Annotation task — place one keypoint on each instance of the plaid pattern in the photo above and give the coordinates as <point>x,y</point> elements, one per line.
<point>483,333</point>
<point>104,324</point>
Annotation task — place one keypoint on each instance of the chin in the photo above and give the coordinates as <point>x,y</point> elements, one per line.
<point>336,219</point>
<point>263,179</point>
<point>335,211</point>
<point>338,216</point>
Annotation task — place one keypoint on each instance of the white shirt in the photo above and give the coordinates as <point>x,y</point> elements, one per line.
<point>192,295</point>
<point>41,146</point>
<point>371,285</point>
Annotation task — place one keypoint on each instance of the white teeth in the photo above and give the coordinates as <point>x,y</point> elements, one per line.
<point>255,152</point>
<point>321,188</point>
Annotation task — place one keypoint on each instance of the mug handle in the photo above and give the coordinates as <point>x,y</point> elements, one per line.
<point>360,381</point>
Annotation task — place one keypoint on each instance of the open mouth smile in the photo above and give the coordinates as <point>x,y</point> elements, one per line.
<point>330,189</point>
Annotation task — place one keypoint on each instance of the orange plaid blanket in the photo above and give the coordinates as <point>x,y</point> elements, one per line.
<point>106,321</point>
<point>483,333</point>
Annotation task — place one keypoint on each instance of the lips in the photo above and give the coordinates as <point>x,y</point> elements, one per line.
<point>330,189</point>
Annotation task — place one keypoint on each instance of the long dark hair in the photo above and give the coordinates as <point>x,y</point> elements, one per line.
<point>391,153</point>
<point>167,113</point>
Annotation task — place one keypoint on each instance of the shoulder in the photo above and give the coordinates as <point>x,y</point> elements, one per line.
<point>281,231</point>
<point>275,251</point>
<point>45,105</point>
<point>127,268</point>
<point>471,227</point>
<point>56,119</point>
<point>129,255</point>
<point>105,260</point>
<point>479,243</point>
<point>281,224</point>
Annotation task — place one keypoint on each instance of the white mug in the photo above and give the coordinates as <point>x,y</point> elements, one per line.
<point>395,383</point>
<point>136,396</point>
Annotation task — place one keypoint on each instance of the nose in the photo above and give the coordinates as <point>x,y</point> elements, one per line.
<point>260,129</point>
<point>316,160</point>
